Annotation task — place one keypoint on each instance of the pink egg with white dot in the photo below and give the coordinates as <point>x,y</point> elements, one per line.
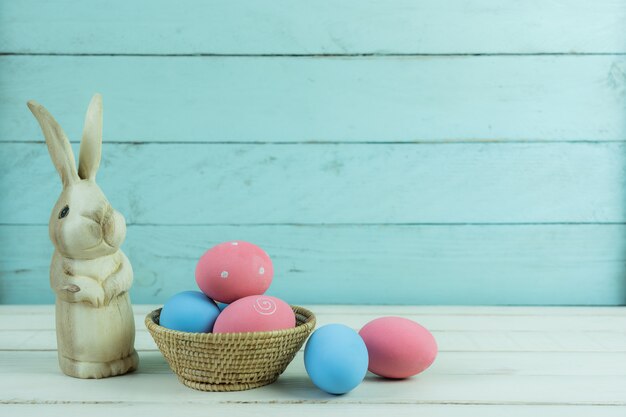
<point>255,313</point>
<point>233,270</point>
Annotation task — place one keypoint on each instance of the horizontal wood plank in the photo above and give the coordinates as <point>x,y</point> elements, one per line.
<point>299,99</point>
<point>447,363</point>
<point>40,381</point>
<point>329,184</point>
<point>542,264</point>
<point>457,329</point>
<point>463,382</point>
<point>323,27</point>
<point>448,341</point>
<point>466,319</point>
<point>434,311</point>
<point>199,409</point>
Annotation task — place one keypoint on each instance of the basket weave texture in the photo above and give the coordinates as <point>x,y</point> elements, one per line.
<point>230,361</point>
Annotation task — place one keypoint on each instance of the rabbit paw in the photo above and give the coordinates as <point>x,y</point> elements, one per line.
<point>83,289</point>
<point>71,288</point>
<point>69,293</point>
<point>96,297</point>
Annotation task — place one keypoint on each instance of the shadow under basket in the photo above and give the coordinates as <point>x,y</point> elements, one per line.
<point>230,361</point>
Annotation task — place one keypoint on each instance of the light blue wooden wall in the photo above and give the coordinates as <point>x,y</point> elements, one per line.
<point>396,151</point>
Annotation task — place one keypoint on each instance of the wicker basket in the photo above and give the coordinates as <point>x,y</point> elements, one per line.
<point>230,361</point>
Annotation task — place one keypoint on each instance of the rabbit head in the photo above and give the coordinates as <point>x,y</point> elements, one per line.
<point>83,225</point>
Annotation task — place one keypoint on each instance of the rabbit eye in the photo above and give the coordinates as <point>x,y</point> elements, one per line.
<point>64,212</point>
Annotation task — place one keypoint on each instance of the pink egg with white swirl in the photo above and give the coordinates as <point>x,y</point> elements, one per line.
<point>233,270</point>
<point>256,313</point>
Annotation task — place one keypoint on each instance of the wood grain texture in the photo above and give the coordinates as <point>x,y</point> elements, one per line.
<point>330,184</point>
<point>425,183</point>
<point>39,382</point>
<point>301,27</point>
<point>613,344</point>
<point>435,318</point>
<point>102,409</point>
<point>450,341</point>
<point>533,264</point>
<point>521,340</point>
<point>507,312</point>
<point>465,380</point>
<point>296,99</point>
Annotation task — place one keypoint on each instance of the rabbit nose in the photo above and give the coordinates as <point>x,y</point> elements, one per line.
<point>114,228</point>
<point>106,215</point>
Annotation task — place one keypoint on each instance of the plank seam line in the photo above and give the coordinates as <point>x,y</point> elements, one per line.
<point>348,143</point>
<point>432,329</point>
<point>309,55</point>
<point>408,224</point>
<point>621,314</point>
<point>330,401</point>
<point>616,352</point>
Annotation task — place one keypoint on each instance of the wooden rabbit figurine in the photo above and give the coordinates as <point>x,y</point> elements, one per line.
<point>89,273</point>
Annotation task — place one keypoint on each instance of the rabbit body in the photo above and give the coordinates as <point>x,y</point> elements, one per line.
<point>89,274</point>
<point>94,318</point>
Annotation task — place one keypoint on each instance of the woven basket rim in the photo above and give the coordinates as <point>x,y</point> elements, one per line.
<point>307,326</point>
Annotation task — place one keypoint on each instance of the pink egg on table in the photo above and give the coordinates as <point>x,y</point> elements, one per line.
<point>233,270</point>
<point>398,347</point>
<point>255,313</point>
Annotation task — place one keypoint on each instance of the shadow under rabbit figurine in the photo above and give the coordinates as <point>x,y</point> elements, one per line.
<point>89,273</point>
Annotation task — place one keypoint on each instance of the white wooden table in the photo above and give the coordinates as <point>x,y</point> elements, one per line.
<point>493,361</point>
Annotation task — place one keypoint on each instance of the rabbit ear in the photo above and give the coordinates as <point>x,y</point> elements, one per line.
<point>91,144</point>
<point>58,145</point>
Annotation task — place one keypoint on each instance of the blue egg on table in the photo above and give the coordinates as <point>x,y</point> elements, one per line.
<point>189,311</point>
<point>336,358</point>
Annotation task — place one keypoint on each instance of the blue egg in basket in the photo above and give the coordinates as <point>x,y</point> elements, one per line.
<point>189,311</point>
